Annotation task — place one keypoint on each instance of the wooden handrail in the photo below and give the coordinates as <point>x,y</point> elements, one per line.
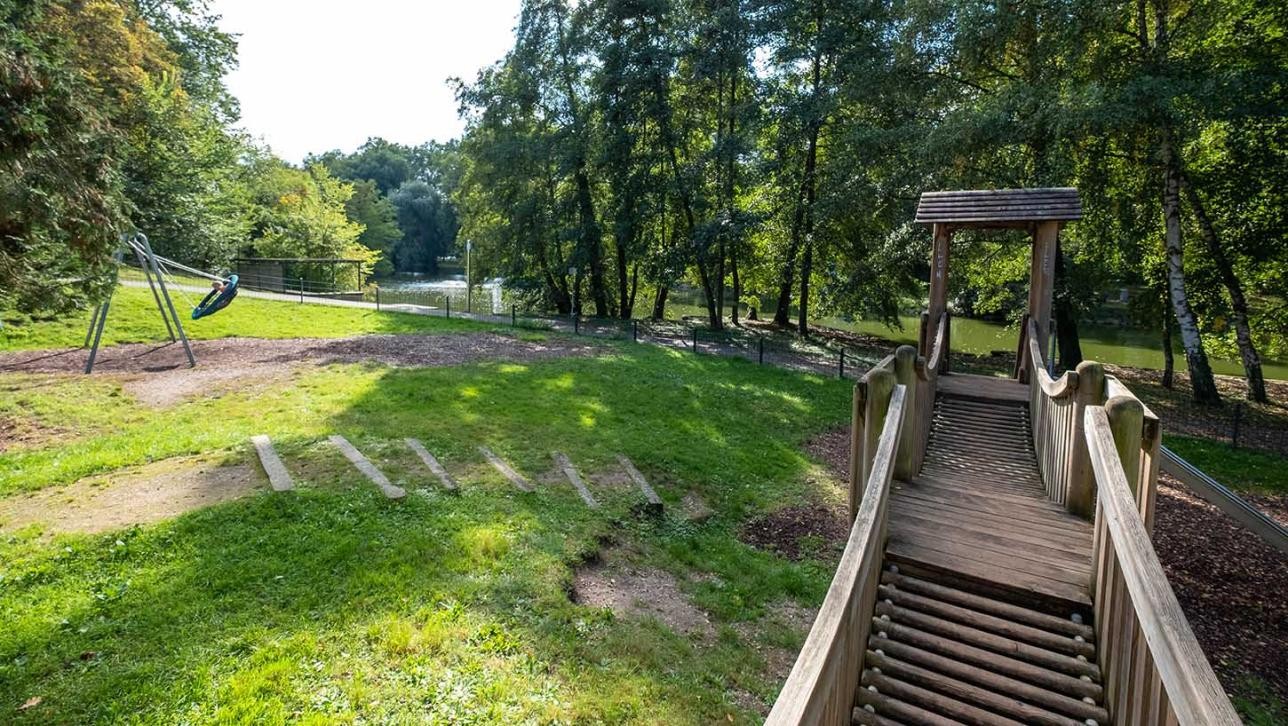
<point>820,688</point>
<point>1061,387</point>
<point>1153,668</point>
<point>937,351</point>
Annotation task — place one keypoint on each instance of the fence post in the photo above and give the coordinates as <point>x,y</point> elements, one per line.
<point>1081,495</point>
<point>514,316</point>
<point>878,386</point>
<point>840,365</point>
<point>762,350</point>
<point>695,340</point>
<point>635,331</point>
<point>576,323</point>
<point>301,290</point>
<point>1126,421</point>
<point>447,301</point>
<point>377,298</point>
<point>1238,419</point>
<point>905,373</point>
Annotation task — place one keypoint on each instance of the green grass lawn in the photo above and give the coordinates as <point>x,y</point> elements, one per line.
<point>134,319</point>
<point>331,604</point>
<point>1239,469</point>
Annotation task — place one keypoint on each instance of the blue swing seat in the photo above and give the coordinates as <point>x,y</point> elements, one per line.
<point>216,300</point>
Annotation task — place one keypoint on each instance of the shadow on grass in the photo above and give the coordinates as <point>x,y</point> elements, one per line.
<point>332,602</point>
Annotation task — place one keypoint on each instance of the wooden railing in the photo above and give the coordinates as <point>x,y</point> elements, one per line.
<point>927,384</point>
<point>820,689</point>
<point>1056,407</point>
<point>1152,667</point>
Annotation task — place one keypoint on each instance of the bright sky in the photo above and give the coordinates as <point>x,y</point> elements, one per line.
<point>315,76</point>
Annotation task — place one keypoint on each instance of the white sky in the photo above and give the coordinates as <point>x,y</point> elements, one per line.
<point>328,74</point>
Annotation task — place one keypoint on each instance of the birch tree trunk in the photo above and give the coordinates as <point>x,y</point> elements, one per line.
<point>1238,300</point>
<point>1201,381</point>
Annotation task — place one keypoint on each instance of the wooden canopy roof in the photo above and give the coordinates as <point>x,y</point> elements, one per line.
<point>1000,207</point>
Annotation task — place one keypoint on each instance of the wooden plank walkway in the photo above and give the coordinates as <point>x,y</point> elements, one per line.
<point>978,511</point>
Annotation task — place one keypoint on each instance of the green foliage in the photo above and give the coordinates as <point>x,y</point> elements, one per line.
<point>379,219</point>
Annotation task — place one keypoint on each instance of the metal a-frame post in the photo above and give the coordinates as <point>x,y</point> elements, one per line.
<point>138,243</point>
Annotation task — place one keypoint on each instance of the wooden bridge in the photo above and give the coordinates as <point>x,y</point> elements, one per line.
<point>999,568</point>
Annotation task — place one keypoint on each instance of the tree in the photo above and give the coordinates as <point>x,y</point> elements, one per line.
<point>428,224</point>
<point>379,219</point>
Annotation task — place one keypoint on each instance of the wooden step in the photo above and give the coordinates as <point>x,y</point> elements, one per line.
<point>996,701</point>
<point>1048,698</point>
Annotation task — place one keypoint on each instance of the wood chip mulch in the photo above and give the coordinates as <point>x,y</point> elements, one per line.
<point>1232,586</point>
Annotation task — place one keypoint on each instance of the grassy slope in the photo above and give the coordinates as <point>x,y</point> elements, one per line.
<point>134,319</point>
<point>333,604</point>
<point>1240,469</point>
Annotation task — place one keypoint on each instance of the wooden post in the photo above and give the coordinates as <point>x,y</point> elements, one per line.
<point>857,412</point>
<point>880,386</point>
<point>905,372</point>
<point>938,282</point>
<point>1126,420</point>
<point>1081,495</point>
<point>1041,279</point>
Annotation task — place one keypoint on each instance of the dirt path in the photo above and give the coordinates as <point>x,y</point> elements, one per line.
<point>132,496</point>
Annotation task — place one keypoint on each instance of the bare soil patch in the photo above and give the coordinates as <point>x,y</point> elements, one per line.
<point>809,531</point>
<point>134,496</point>
<point>395,350</point>
<point>1232,586</point>
<point>640,592</point>
<point>19,432</point>
<point>833,449</point>
<point>159,374</point>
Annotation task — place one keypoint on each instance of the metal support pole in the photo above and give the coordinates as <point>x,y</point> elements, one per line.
<point>301,290</point>
<point>377,298</point>
<point>93,323</point>
<point>762,350</point>
<point>514,316</point>
<point>98,335</point>
<point>635,331</point>
<point>447,304</point>
<point>840,365</point>
<point>576,323</point>
<point>695,340</point>
<point>156,267</point>
<point>147,273</point>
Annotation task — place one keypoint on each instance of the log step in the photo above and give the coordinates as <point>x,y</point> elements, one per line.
<point>940,653</point>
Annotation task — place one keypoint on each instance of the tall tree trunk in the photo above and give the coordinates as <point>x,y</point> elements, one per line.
<point>1066,318</point>
<point>807,268</point>
<point>1201,381</point>
<point>1169,359</point>
<point>737,284</point>
<point>591,242</point>
<point>1238,301</point>
<point>659,302</point>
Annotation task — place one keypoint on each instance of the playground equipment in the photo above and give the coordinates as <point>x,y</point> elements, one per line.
<point>155,270</point>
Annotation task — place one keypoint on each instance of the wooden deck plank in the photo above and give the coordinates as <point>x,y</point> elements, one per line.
<point>986,387</point>
<point>979,509</point>
<point>278,476</point>
<point>362,464</point>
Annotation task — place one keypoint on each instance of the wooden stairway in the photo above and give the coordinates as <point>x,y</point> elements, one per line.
<point>939,655</point>
<point>982,615</point>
